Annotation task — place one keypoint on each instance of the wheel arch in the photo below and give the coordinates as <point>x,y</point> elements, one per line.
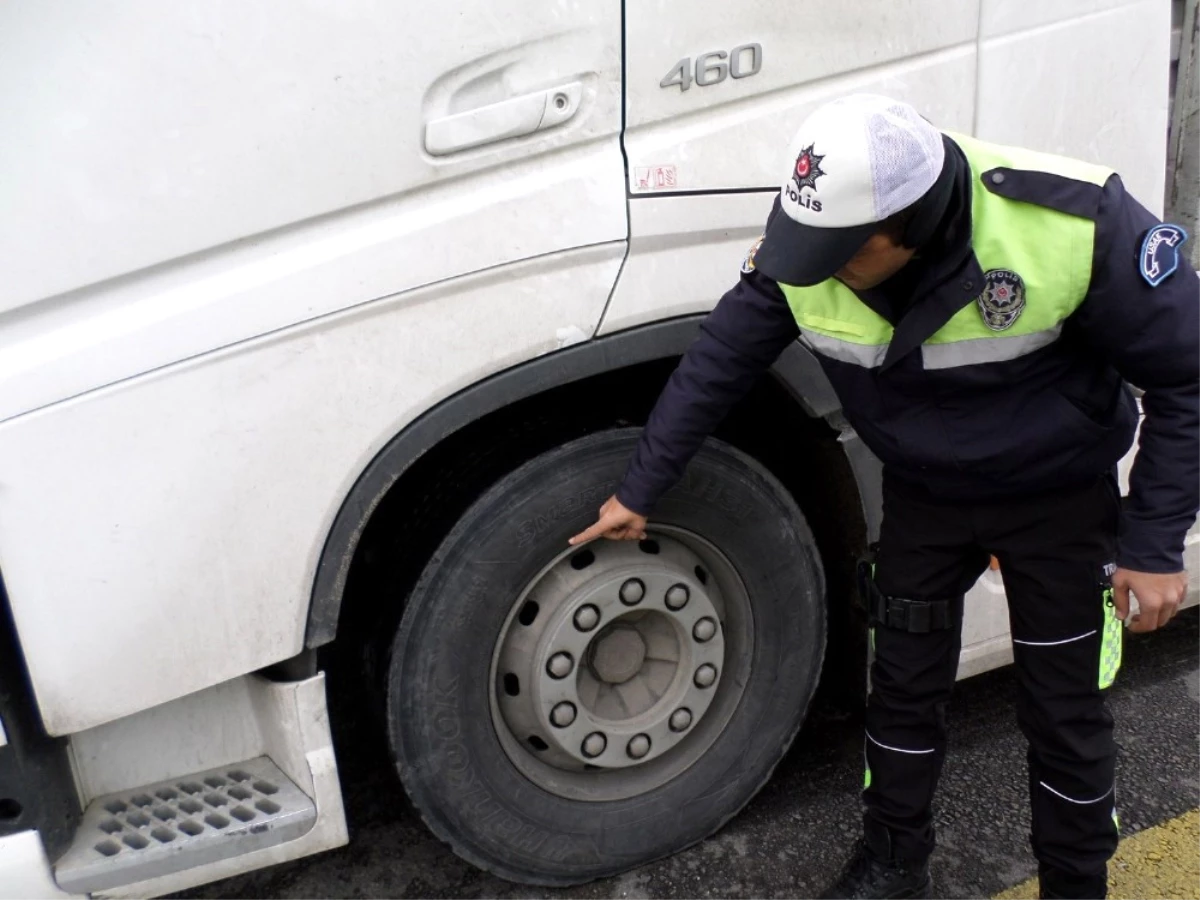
<point>796,371</point>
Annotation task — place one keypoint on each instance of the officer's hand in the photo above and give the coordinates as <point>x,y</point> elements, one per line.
<point>616,522</point>
<point>1158,597</point>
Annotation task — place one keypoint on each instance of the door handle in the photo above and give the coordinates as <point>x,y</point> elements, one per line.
<point>507,119</point>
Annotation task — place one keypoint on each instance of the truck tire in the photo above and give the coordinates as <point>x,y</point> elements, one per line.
<point>561,714</point>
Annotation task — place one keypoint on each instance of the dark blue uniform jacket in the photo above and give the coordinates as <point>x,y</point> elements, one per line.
<point>1059,416</point>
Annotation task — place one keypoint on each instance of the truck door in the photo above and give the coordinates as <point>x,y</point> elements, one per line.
<point>714,92</point>
<point>390,145</point>
<point>198,176</point>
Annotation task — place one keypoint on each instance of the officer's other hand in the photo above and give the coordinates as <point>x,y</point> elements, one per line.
<point>616,522</point>
<point>1158,597</point>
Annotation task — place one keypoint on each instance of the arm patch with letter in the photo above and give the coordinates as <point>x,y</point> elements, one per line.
<point>1160,253</point>
<point>748,262</point>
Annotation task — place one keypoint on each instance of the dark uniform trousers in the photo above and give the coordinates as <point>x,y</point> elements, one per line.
<point>1055,552</point>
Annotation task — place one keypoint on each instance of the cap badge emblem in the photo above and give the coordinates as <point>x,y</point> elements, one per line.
<point>808,169</point>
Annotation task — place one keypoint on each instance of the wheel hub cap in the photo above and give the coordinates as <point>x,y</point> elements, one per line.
<point>622,658</point>
<point>617,654</point>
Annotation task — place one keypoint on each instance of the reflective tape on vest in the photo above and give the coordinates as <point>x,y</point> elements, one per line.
<point>869,356</point>
<point>986,350</point>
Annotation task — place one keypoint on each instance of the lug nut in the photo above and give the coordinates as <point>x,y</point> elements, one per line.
<point>704,630</point>
<point>706,675</point>
<point>594,744</point>
<point>681,719</point>
<point>560,665</point>
<point>639,746</point>
<point>562,715</point>
<point>587,618</point>
<point>632,592</point>
<point>677,597</point>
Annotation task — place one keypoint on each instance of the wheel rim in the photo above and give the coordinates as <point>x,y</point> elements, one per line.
<point>620,664</point>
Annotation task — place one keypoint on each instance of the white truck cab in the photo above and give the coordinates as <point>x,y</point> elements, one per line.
<point>323,326</point>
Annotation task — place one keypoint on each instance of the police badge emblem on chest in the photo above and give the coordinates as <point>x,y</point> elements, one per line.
<point>1002,300</point>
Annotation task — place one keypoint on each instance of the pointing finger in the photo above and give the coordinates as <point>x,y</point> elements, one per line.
<point>588,534</point>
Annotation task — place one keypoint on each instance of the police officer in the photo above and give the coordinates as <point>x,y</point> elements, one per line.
<point>979,310</point>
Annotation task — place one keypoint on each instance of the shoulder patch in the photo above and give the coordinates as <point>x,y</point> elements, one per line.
<point>1160,253</point>
<point>748,262</point>
<point>1058,192</point>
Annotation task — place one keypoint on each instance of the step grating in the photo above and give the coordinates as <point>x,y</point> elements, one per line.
<point>174,825</point>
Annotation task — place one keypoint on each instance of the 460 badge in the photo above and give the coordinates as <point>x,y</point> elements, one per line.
<point>742,61</point>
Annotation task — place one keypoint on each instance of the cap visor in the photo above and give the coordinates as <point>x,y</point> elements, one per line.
<point>803,255</point>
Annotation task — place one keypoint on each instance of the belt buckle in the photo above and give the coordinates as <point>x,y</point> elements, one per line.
<point>920,616</point>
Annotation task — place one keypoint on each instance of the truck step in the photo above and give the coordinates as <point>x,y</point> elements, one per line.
<point>173,825</point>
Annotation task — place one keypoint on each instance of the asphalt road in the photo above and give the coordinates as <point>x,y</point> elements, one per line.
<point>793,837</point>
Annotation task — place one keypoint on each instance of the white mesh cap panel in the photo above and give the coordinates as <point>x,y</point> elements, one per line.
<point>906,154</point>
<point>871,156</point>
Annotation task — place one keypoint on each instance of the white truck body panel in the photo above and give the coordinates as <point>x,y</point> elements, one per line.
<point>276,204</point>
<point>259,443</point>
<point>25,871</point>
<point>1048,76</point>
<point>684,252</point>
<point>61,348</point>
<point>1080,78</point>
<point>283,176</point>
<point>154,131</point>
<point>736,133</point>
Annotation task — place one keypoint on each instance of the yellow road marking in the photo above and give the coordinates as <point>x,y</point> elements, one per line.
<point>1160,862</point>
